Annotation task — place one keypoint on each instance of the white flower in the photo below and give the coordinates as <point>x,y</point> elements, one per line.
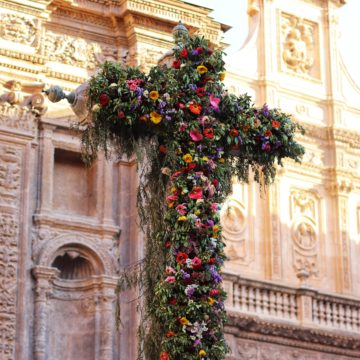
<point>96,108</point>
<point>166,171</point>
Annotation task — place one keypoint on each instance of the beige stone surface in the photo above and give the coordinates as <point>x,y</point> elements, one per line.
<point>66,231</point>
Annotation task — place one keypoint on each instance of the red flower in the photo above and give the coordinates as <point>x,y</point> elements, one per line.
<point>184,53</point>
<point>215,182</point>
<point>168,244</point>
<point>163,149</point>
<point>233,132</point>
<point>191,166</point>
<point>275,124</point>
<point>196,193</point>
<point>209,133</point>
<point>164,356</point>
<point>195,108</point>
<point>170,334</point>
<point>176,64</point>
<point>212,261</point>
<point>210,51</point>
<point>199,50</point>
<point>268,133</point>
<point>104,99</point>
<point>172,301</point>
<point>200,91</point>
<point>214,292</point>
<point>121,115</point>
<point>181,257</point>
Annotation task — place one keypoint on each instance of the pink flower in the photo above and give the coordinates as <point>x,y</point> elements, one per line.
<point>214,207</point>
<point>196,193</point>
<point>196,263</point>
<point>214,102</point>
<point>170,279</point>
<point>196,135</point>
<point>182,127</point>
<point>175,175</point>
<point>181,209</point>
<point>172,198</point>
<point>169,270</point>
<point>198,223</point>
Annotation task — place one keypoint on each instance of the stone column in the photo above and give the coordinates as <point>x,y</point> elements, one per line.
<point>44,277</point>
<point>47,167</point>
<point>107,317</point>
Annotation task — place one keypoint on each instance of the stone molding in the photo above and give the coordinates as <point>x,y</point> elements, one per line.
<point>46,251</point>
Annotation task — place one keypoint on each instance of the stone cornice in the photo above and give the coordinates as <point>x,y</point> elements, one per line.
<point>339,342</point>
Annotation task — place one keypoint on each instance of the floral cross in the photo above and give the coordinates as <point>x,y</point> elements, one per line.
<point>192,137</point>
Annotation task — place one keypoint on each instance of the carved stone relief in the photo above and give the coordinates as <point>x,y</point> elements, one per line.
<point>19,29</point>
<point>297,48</point>
<point>305,239</point>
<point>234,226</point>
<point>10,168</point>
<point>77,51</point>
<point>10,171</point>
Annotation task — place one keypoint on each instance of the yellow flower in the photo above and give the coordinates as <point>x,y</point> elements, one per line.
<point>170,205</point>
<point>211,301</point>
<point>182,218</point>
<point>204,158</point>
<point>222,76</point>
<point>202,352</point>
<point>201,69</point>
<point>184,321</point>
<point>197,212</point>
<point>215,228</point>
<point>154,95</point>
<point>187,158</point>
<point>155,117</point>
<point>173,190</point>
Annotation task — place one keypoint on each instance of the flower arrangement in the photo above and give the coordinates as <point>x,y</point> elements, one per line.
<point>196,136</point>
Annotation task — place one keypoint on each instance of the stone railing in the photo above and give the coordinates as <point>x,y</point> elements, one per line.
<point>297,306</point>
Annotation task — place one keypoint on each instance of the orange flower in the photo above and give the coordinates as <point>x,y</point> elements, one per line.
<point>170,334</point>
<point>275,124</point>
<point>195,108</point>
<point>154,95</point>
<point>202,69</point>
<point>184,321</point>
<point>155,117</point>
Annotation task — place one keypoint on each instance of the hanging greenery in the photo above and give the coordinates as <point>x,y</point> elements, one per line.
<point>191,137</point>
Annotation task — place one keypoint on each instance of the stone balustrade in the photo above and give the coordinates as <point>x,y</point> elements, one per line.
<point>297,306</point>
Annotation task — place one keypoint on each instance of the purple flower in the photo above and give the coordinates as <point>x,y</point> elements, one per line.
<point>192,87</point>
<point>215,275</point>
<point>184,275</point>
<point>265,110</point>
<point>190,290</point>
<point>277,144</point>
<point>168,117</point>
<point>266,146</point>
<point>199,147</point>
<point>210,223</point>
<point>162,104</point>
<point>197,342</point>
<point>194,52</point>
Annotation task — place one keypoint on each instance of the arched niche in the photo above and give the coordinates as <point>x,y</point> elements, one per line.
<point>74,301</point>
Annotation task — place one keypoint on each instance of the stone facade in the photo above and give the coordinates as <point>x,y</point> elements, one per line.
<point>67,231</point>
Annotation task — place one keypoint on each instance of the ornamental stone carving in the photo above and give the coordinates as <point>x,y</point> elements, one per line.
<point>305,239</point>
<point>18,28</point>
<point>234,225</point>
<point>297,44</point>
<point>77,51</point>
<point>10,168</point>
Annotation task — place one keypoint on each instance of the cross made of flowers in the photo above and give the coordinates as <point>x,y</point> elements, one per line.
<point>191,137</point>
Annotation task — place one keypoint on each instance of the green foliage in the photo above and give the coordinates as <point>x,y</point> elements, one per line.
<point>191,137</point>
